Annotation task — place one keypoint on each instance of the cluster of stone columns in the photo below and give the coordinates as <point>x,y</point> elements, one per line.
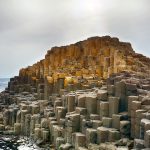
<point>82,119</point>
<point>66,100</point>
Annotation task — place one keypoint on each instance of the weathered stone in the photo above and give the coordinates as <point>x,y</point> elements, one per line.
<point>37,133</point>
<point>66,146</point>
<point>125,128</point>
<point>35,109</point>
<point>71,102</point>
<point>80,140</point>
<point>138,144</point>
<point>116,121</point>
<point>147,139</point>
<point>102,135</point>
<point>2,127</point>
<point>107,122</point>
<point>135,105</point>
<point>130,99</point>
<point>104,109</point>
<point>96,123</point>
<point>44,123</point>
<point>144,126</point>
<point>113,135</point>
<point>146,101</point>
<point>57,131</point>
<point>45,135</point>
<point>91,136</point>
<point>81,100</point>
<point>6,115</point>
<point>23,114</point>
<point>102,95</point>
<point>121,93</point>
<point>113,105</point>
<point>59,141</point>
<point>27,124</point>
<point>81,111</point>
<point>111,90</point>
<point>91,104</point>
<point>94,117</point>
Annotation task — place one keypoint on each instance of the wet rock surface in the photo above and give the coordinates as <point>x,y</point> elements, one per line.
<point>8,142</point>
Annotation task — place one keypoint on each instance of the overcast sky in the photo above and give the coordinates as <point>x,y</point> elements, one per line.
<point>28,28</point>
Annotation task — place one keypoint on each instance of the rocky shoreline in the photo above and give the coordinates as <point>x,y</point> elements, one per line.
<point>76,119</point>
<point>13,142</point>
<point>97,102</point>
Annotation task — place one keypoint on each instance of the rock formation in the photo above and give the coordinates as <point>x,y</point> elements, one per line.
<point>94,94</point>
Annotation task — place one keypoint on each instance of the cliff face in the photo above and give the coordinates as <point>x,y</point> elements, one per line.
<point>96,57</point>
<point>65,99</point>
<point>100,56</point>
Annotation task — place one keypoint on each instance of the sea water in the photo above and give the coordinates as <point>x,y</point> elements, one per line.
<point>3,83</point>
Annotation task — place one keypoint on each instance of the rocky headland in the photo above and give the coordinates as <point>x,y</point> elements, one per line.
<point>94,94</point>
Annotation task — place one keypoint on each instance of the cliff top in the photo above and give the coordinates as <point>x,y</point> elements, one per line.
<point>106,52</point>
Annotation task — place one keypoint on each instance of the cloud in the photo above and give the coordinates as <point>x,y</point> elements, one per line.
<point>30,27</point>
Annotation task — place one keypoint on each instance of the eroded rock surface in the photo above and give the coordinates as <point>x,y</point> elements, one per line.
<point>94,94</point>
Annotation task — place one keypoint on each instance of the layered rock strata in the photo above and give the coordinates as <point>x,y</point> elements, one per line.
<point>94,94</point>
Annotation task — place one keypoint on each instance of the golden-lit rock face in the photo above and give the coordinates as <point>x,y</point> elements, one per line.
<point>94,57</point>
<point>65,99</point>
